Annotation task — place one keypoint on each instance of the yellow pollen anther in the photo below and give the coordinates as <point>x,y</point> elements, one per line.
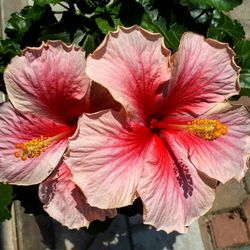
<point>207,129</point>
<point>24,157</point>
<point>24,147</point>
<point>32,148</point>
<point>38,145</point>
<point>17,154</point>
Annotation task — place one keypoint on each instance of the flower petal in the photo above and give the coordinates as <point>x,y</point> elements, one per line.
<point>132,64</point>
<point>204,73</point>
<point>104,159</point>
<point>49,80</point>
<point>170,188</point>
<point>98,98</point>
<point>64,201</point>
<point>225,157</point>
<point>16,128</point>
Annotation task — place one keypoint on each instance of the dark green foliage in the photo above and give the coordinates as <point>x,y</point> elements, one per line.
<point>25,27</point>
<point>5,201</point>
<point>224,29</point>
<point>242,49</point>
<point>221,5</point>
<point>8,49</point>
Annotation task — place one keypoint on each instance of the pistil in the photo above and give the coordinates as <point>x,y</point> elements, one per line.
<point>203,128</point>
<point>207,129</point>
<point>37,145</point>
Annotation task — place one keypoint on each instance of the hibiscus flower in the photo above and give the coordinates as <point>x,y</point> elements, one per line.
<point>48,88</point>
<point>175,131</point>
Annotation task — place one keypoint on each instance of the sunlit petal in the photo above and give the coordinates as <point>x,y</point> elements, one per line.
<point>225,157</point>
<point>133,64</point>
<point>204,73</point>
<point>170,188</point>
<point>64,201</point>
<point>49,80</point>
<point>105,158</point>
<point>16,129</point>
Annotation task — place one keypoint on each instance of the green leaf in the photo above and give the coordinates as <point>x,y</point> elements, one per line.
<point>221,5</point>
<point>79,37</point>
<point>107,19</point>
<point>91,41</point>
<point>5,201</point>
<point>224,29</point>
<point>55,31</point>
<point>148,24</point>
<point>26,26</point>
<point>242,50</point>
<point>8,49</point>
<point>106,24</point>
<point>152,21</point>
<point>89,6</point>
<point>150,9</point>
<point>245,82</point>
<point>44,2</point>
<point>20,23</point>
<point>173,35</point>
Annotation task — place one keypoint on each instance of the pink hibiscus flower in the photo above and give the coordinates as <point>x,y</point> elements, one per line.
<point>48,86</point>
<point>175,130</point>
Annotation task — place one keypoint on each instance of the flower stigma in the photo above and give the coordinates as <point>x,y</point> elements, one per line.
<point>207,129</point>
<point>37,145</point>
<point>203,128</point>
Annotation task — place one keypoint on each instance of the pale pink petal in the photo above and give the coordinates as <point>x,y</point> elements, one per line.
<point>64,201</point>
<point>170,188</point>
<point>98,98</point>
<point>49,80</point>
<point>132,64</point>
<point>204,73</point>
<point>225,157</point>
<point>105,158</point>
<point>16,128</point>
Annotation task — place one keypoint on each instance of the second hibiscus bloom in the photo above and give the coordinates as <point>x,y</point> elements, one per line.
<point>49,90</point>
